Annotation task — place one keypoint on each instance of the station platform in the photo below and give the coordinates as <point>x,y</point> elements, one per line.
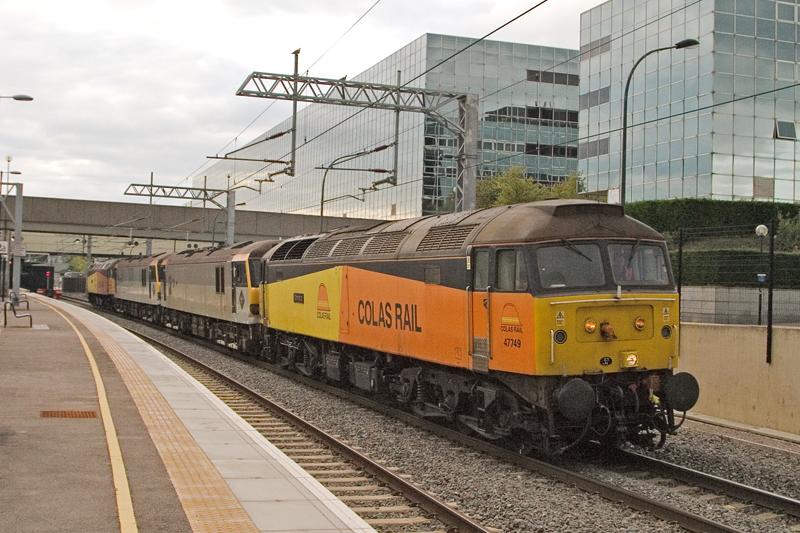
<point>101,432</point>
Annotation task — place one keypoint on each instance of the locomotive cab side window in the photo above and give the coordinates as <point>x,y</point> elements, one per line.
<point>255,272</point>
<point>480,270</point>
<point>219,280</point>
<point>510,270</point>
<point>238,274</point>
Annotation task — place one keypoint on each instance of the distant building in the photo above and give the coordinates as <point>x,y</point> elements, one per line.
<point>528,116</point>
<point>679,146</point>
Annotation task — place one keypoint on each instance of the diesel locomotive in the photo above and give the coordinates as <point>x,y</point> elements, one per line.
<point>541,325</point>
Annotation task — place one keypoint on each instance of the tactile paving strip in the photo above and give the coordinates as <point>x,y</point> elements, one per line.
<point>206,497</point>
<point>68,414</point>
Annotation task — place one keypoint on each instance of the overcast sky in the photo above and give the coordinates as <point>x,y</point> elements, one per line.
<point>125,87</point>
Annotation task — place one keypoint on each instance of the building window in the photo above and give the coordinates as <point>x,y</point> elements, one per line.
<point>596,47</point>
<point>785,130</point>
<point>594,98</point>
<point>559,78</point>
<point>593,148</point>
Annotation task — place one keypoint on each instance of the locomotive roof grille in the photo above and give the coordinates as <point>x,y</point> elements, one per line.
<point>321,249</point>
<point>292,250</point>
<point>384,243</point>
<point>445,237</point>
<point>281,252</point>
<point>350,246</point>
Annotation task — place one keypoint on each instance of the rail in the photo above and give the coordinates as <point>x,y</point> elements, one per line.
<point>739,491</point>
<point>659,509</point>
<point>432,505</point>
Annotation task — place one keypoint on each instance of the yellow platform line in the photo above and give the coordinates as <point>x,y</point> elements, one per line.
<point>207,499</point>
<point>127,519</point>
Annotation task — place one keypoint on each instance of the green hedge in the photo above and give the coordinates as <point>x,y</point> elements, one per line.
<point>735,268</point>
<point>671,215</point>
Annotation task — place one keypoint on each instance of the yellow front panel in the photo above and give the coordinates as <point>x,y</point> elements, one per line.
<point>584,352</point>
<point>307,305</point>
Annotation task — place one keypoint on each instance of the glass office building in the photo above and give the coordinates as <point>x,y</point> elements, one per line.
<point>708,122</point>
<point>528,113</point>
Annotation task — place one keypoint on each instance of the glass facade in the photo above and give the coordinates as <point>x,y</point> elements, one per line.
<point>695,127</point>
<point>528,112</point>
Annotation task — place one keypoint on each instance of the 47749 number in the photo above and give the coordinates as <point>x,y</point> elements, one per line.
<point>512,343</point>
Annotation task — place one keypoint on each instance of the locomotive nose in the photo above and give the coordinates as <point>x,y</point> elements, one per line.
<point>575,399</point>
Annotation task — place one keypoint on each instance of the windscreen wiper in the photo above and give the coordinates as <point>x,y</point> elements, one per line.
<point>575,249</point>
<point>633,252</point>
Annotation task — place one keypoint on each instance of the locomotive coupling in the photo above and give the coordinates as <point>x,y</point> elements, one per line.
<point>682,391</point>
<point>575,399</point>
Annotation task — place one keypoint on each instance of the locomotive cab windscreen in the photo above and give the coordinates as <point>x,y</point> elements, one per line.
<point>592,265</point>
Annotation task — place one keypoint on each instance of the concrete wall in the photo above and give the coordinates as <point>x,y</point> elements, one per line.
<point>736,383</point>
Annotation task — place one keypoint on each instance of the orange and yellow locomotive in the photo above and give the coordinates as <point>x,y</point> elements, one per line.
<point>544,324</point>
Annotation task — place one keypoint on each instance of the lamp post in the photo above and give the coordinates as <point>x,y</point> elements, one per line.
<point>686,43</point>
<point>19,97</point>
<point>336,161</point>
<point>761,231</point>
<point>5,265</point>
<point>18,223</point>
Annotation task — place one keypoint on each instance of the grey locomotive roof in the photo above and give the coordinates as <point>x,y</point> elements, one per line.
<point>105,265</point>
<point>139,261</point>
<point>452,233</point>
<point>216,255</point>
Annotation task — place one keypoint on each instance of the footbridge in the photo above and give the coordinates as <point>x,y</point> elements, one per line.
<point>139,222</point>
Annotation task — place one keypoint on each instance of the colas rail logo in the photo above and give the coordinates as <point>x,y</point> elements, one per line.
<point>323,304</point>
<point>509,320</point>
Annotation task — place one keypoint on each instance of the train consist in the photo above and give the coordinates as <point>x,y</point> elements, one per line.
<point>541,325</point>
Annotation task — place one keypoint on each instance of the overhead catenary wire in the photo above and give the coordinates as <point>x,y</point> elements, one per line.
<point>590,50</point>
<point>486,96</point>
<point>657,119</point>
<point>268,107</point>
<point>613,130</point>
<point>415,78</point>
<point>353,25</point>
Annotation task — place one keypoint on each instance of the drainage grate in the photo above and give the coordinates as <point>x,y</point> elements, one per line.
<point>68,414</point>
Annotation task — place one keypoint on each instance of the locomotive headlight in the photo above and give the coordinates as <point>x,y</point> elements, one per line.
<point>666,332</point>
<point>590,325</point>
<point>630,359</point>
<point>639,323</point>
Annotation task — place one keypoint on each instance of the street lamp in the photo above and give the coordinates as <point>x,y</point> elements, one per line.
<point>19,97</point>
<point>762,230</point>
<point>336,161</point>
<point>686,43</point>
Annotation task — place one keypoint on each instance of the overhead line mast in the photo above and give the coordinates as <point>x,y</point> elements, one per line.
<point>396,98</point>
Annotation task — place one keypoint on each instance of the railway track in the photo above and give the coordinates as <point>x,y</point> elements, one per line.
<point>709,488</point>
<point>636,465</point>
<point>383,498</point>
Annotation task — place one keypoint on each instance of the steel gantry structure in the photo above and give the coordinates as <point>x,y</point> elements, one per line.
<point>192,193</point>
<point>396,98</point>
